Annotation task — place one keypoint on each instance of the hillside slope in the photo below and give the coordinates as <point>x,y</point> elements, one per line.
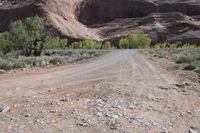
<point>111,19</point>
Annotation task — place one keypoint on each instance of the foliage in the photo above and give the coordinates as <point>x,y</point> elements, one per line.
<point>175,45</point>
<point>185,58</point>
<point>189,67</point>
<point>135,41</point>
<point>24,34</point>
<point>55,43</point>
<point>107,45</point>
<point>173,67</point>
<point>5,44</point>
<point>49,57</point>
<point>86,44</point>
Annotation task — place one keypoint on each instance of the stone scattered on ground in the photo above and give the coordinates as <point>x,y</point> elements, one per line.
<point>191,130</point>
<point>4,108</point>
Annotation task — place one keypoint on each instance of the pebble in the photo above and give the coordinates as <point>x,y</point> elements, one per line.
<point>192,130</point>
<point>64,99</point>
<point>50,90</point>
<point>180,85</point>
<point>99,114</point>
<point>52,111</point>
<point>4,108</point>
<point>165,130</point>
<point>164,87</point>
<point>28,115</point>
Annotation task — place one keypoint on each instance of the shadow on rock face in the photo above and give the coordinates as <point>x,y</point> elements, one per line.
<point>111,19</point>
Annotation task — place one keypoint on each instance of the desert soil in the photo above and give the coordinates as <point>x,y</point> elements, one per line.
<point>121,91</point>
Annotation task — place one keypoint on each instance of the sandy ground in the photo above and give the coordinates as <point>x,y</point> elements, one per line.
<point>121,92</point>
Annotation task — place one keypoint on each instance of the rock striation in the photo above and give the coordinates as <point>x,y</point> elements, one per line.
<point>164,20</point>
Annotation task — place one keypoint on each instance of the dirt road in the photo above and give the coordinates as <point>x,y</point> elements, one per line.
<point>119,92</point>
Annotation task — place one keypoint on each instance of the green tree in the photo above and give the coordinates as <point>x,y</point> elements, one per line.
<point>135,41</point>
<point>124,43</point>
<point>27,35</point>
<point>5,44</point>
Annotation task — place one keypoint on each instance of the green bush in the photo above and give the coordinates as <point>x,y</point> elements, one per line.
<point>173,67</point>
<point>175,45</point>
<point>184,59</point>
<point>90,44</point>
<point>189,67</point>
<point>124,43</point>
<point>75,45</point>
<point>55,43</point>
<point>18,64</point>
<point>86,44</point>
<point>135,41</point>
<point>107,45</point>
<point>57,60</point>
<point>5,64</point>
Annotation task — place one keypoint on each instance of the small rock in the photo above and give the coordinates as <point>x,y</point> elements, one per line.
<point>52,111</point>
<point>180,85</point>
<point>64,99</point>
<point>99,114</point>
<point>4,108</point>
<point>187,84</point>
<point>155,124</point>
<point>191,130</point>
<point>50,90</point>
<point>94,86</point>
<point>165,130</point>
<point>27,115</point>
<point>84,122</point>
<point>164,87</point>
<point>132,107</point>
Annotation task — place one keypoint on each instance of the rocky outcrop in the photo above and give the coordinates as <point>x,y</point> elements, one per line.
<point>164,20</point>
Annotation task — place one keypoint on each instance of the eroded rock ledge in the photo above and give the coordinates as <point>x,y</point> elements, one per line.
<point>164,20</point>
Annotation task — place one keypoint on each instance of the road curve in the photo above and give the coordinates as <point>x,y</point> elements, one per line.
<point>127,65</point>
<point>122,77</point>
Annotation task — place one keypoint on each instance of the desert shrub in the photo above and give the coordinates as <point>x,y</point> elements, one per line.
<point>56,57</point>
<point>189,67</point>
<point>173,67</point>
<point>5,64</point>
<point>57,60</point>
<point>14,54</point>
<point>135,41</point>
<point>188,45</point>
<point>175,45</point>
<point>18,64</point>
<point>184,59</point>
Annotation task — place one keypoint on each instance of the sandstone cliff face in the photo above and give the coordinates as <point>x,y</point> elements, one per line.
<point>111,19</point>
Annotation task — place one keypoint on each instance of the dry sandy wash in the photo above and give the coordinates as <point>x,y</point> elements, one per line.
<point>121,91</point>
